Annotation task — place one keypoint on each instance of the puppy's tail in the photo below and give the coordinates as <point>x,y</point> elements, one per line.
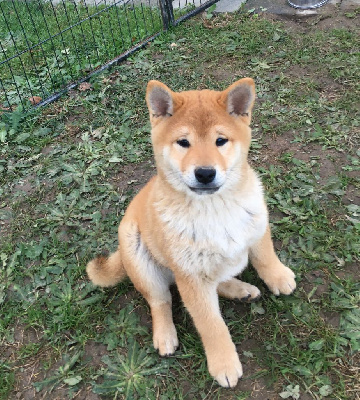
<point>106,271</point>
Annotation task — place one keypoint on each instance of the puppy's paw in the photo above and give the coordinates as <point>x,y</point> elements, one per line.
<point>226,370</point>
<point>236,289</point>
<point>280,280</point>
<point>249,292</point>
<point>166,340</point>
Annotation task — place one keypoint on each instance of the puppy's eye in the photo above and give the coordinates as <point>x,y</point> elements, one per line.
<point>183,143</point>
<point>221,141</point>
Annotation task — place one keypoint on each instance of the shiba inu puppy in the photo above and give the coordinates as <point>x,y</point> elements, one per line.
<point>198,220</point>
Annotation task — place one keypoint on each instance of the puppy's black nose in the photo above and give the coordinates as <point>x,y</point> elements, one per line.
<point>205,175</point>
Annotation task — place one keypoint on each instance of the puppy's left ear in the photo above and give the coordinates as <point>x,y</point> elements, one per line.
<point>238,99</point>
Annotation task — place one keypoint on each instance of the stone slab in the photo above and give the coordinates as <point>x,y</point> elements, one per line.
<point>228,5</point>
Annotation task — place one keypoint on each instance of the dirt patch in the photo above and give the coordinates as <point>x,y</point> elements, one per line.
<point>93,352</point>
<point>211,69</point>
<point>133,176</point>
<point>349,271</point>
<point>222,75</point>
<point>350,369</point>
<point>158,56</point>
<point>310,281</point>
<point>73,121</point>
<point>30,369</point>
<point>48,150</point>
<point>328,22</point>
<point>331,318</point>
<point>62,393</point>
<point>329,89</point>
<point>252,381</point>
<point>329,163</point>
<point>27,369</point>
<point>72,129</point>
<point>120,301</point>
<point>352,195</point>
<point>25,186</point>
<point>21,336</point>
<point>328,18</point>
<point>5,223</point>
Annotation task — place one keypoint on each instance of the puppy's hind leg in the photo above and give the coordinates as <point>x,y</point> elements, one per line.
<point>153,282</point>
<point>236,289</point>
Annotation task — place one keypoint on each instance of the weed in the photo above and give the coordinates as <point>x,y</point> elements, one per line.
<point>134,374</point>
<point>7,379</point>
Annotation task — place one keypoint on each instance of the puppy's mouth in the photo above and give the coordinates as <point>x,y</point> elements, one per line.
<point>205,190</point>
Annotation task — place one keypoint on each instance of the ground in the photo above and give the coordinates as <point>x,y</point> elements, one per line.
<point>70,169</point>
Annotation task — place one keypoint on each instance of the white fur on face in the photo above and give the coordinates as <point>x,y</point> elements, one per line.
<point>183,181</point>
<point>172,171</point>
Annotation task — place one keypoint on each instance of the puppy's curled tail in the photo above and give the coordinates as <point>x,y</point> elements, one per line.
<point>106,271</point>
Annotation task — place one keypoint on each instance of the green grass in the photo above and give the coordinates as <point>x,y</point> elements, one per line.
<point>65,54</point>
<point>68,171</point>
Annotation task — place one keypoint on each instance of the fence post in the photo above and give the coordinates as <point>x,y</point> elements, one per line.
<point>167,13</point>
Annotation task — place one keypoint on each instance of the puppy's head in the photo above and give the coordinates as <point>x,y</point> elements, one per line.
<point>201,138</point>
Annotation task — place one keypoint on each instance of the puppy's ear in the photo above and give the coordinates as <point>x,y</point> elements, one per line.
<point>160,101</point>
<point>238,99</point>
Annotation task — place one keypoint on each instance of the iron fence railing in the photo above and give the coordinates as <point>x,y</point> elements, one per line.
<point>48,47</point>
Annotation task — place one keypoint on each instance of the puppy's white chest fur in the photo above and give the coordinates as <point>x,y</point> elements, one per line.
<point>211,235</point>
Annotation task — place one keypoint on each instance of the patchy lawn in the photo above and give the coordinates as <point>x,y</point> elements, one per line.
<point>68,171</point>
<point>67,41</point>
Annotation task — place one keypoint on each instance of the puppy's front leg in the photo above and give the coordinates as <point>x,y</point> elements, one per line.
<point>279,278</point>
<point>201,299</point>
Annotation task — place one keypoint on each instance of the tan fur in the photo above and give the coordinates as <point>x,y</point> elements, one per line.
<point>106,271</point>
<point>195,233</point>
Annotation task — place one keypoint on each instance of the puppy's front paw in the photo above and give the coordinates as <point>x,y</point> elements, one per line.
<point>280,279</point>
<point>226,369</point>
<point>166,340</point>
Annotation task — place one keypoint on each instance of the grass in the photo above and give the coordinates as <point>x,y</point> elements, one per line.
<point>68,171</point>
<point>60,55</point>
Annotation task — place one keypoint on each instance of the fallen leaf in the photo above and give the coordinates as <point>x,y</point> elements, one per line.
<point>325,390</point>
<point>84,86</point>
<point>257,309</point>
<point>291,391</point>
<point>74,380</point>
<point>97,133</point>
<point>208,24</point>
<point>35,100</point>
<point>276,37</point>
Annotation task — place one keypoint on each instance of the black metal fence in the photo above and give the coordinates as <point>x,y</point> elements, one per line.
<point>50,46</point>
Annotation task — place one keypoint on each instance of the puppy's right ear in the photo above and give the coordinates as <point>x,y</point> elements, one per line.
<point>160,101</point>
